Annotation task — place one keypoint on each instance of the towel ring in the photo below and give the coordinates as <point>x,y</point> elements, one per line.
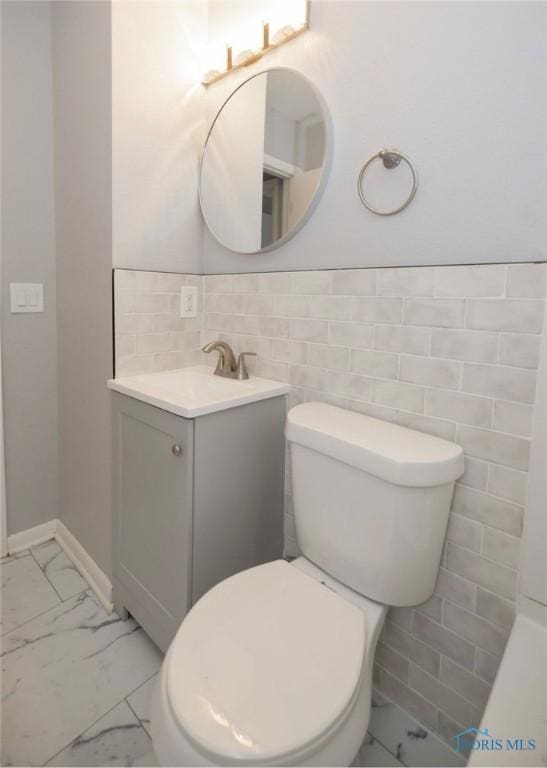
<point>391,159</point>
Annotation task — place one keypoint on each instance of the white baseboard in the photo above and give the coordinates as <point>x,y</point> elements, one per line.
<point>55,529</point>
<point>95,577</point>
<point>17,542</point>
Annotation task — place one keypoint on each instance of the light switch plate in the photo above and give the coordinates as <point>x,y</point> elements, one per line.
<point>26,297</point>
<point>188,301</point>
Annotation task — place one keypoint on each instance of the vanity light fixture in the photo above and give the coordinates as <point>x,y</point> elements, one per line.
<point>269,43</point>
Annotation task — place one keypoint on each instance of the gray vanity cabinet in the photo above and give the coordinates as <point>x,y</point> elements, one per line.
<point>194,501</point>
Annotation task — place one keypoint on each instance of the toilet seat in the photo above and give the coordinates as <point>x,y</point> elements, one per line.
<point>266,664</point>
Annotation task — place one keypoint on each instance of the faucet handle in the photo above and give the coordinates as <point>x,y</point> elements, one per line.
<point>241,370</point>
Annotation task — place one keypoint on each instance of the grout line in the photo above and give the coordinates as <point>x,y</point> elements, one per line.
<point>140,686</point>
<point>483,557</point>
<point>398,760</point>
<point>108,711</point>
<point>140,722</point>
<point>46,577</point>
<point>16,556</point>
<point>5,635</point>
<point>476,595</point>
<point>61,600</point>
<point>481,540</point>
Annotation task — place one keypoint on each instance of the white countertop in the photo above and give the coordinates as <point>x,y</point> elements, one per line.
<point>195,391</point>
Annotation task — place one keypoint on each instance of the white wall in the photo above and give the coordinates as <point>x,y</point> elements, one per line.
<point>157,134</point>
<point>83,197</point>
<point>29,343</point>
<point>534,564</point>
<point>456,86</point>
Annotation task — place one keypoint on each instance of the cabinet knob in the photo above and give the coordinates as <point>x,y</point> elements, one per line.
<point>176,450</point>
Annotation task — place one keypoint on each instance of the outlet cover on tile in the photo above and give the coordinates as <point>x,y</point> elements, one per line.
<point>26,297</point>
<point>188,301</point>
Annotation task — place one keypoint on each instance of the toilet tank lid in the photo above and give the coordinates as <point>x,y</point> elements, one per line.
<point>393,453</point>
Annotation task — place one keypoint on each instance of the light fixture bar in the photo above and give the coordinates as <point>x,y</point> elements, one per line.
<point>288,33</point>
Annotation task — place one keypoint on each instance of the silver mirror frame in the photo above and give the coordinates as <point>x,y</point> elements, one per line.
<point>329,146</point>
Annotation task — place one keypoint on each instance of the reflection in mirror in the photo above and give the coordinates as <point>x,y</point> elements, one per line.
<point>264,161</point>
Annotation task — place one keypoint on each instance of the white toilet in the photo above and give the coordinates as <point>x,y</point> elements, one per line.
<point>273,666</point>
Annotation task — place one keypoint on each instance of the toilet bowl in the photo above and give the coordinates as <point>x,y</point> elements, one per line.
<point>273,666</point>
<point>253,679</point>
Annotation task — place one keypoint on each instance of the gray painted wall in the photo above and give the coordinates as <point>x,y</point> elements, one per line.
<point>29,344</point>
<point>83,194</point>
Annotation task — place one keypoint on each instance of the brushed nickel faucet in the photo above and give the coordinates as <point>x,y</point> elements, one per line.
<point>226,364</point>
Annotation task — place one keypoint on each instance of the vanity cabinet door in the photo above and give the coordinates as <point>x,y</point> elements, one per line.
<point>152,515</point>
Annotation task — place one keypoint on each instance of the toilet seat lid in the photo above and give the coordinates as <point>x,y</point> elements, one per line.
<point>265,664</point>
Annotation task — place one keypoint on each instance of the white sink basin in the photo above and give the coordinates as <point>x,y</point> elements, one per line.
<point>195,391</point>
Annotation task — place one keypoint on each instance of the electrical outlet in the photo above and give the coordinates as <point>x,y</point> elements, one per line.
<point>188,301</point>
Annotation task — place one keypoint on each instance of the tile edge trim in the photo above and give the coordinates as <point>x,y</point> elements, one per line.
<point>95,576</point>
<point>31,537</point>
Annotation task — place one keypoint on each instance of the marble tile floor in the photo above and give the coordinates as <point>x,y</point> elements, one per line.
<point>405,739</point>
<point>77,682</point>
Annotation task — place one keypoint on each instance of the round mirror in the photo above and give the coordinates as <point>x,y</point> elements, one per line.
<point>264,165</point>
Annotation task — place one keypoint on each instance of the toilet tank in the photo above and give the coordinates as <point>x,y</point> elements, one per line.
<point>371,500</point>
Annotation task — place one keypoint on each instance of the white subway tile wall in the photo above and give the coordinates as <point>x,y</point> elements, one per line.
<point>451,351</point>
<point>150,335</point>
